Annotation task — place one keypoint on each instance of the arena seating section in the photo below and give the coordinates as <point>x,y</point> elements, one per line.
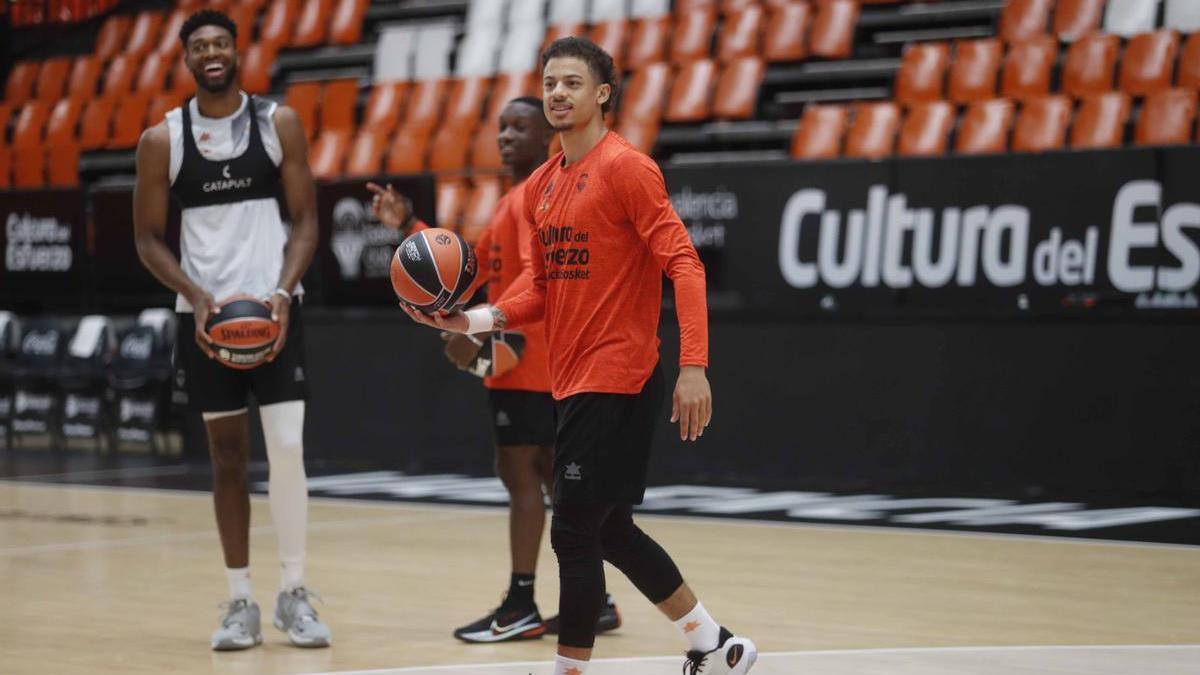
<point>416,85</point>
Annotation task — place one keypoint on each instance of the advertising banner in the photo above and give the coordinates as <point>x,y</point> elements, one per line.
<point>43,238</point>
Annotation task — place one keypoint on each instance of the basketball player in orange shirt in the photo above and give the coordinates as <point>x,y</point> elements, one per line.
<point>605,233</point>
<point>522,409</point>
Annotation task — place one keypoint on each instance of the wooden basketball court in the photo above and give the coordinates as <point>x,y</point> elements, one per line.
<point>127,580</point>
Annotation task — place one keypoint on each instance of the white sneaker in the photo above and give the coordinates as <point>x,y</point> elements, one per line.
<point>295,615</point>
<point>240,627</point>
<point>733,656</point>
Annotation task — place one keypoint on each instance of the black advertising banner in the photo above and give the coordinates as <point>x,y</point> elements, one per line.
<point>1067,233</point>
<point>43,239</point>
<point>355,251</point>
<point>121,281</point>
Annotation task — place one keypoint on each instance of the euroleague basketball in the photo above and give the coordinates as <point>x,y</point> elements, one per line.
<point>243,332</point>
<point>432,269</point>
<point>500,353</point>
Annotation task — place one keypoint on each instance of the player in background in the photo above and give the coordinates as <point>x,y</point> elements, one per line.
<point>605,234</point>
<point>522,409</point>
<point>225,156</point>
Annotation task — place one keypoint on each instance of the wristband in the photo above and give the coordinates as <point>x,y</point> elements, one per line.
<point>285,294</point>
<point>479,319</point>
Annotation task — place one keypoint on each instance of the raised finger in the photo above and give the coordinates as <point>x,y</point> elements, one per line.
<point>375,188</point>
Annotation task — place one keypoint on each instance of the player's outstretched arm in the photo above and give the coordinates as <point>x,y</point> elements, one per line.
<point>478,319</point>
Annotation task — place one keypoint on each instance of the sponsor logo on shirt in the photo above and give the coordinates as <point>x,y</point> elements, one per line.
<point>566,253</point>
<point>227,182</point>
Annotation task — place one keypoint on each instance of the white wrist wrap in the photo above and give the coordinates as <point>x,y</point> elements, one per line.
<point>479,319</point>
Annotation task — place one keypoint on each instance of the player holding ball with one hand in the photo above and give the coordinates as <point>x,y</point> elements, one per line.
<point>604,234</point>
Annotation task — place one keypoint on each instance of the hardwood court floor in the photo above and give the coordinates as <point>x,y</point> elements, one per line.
<point>103,580</point>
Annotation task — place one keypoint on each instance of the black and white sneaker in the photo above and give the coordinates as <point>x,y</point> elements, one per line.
<point>506,623</point>
<point>733,656</point>
<point>609,619</point>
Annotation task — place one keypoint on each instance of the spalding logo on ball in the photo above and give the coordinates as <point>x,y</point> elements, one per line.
<point>500,353</point>
<point>432,269</point>
<point>243,333</point>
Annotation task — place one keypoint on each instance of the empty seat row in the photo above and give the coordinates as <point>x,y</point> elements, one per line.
<point>1070,20</point>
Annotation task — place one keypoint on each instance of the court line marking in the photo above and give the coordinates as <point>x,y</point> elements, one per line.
<point>640,515</point>
<point>900,651</point>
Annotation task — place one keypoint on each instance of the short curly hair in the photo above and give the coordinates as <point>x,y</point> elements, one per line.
<point>206,17</point>
<point>598,61</point>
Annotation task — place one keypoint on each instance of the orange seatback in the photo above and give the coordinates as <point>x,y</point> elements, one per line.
<point>820,132</point>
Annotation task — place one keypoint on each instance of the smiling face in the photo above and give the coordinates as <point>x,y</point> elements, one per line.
<point>211,56</point>
<point>524,135</point>
<point>571,93</point>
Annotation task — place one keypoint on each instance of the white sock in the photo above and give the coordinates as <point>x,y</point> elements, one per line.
<point>239,582</point>
<point>566,666</point>
<point>701,631</point>
<point>283,431</point>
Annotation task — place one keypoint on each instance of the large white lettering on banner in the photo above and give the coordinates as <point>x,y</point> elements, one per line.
<point>34,244</point>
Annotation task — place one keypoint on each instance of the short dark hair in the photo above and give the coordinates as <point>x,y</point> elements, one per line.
<point>206,17</point>
<point>529,101</point>
<point>598,61</point>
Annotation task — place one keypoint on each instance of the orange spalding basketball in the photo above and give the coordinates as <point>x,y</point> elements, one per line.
<point>243,332</point>
<point>500,353</point>
<point>432,269</point>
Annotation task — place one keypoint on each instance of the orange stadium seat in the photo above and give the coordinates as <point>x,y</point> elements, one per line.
<point>52,77</point>
<point>94,125</point>
<point>872,134</point>
<point>448,149</point>
<point>984,128</point>
<point>256,67</point>
<point>1090,64</point>
<point>129,120</point>
<point>1189,63</point>
<point>312,23</point>
<point>485,154</point>
<point>152,77</point>
<point>645,95</point>
<point>366,153</point>
<point>62,165</point>
<point>740,33</point>
<point>1027,68</point>
<point>819,134</point>
<point>926,129</point>
<point>29,167</point>
<point>481,207</point>
<point>328,153</point>
<point>691,93</point>
<point>648,44</point>
<point>451,197</point>
<point>1024,19</point>
<point>5,113</point>
<point>737,88</point>
<point>345,26</point>
<point>168,40</point>
<point>305,99</point>
<point>21,78</point>
<point>63,121</point>
<point>641,134</point>
<point>922,72</point>
<point>682,6</point>
<point>1149,62</point>
<point>1042,124</point>
<point>973,73</point>
<point>338,102</point>
<point>425,102</point>
<point>160,105</point>
<point>111,39</point>
<point>406,154</point>
<point>833,29</point>
<point>30,124</point>
<point>384,107</point>
<point>244,16</point>
<point>786,36</point>
<point>562,30</point>
<point>1101,120</point>
<point>611,37</point>
<point>693,35</point>
<point>182,81</point>
<point>5,167</point>
<point>507,87</point>
<point>731,6</point>
<point>1167,118</point>
<point>1075,18</point>
<point>118,77</point>
<point>465,106</point>
<point>143,35</point>
<point>278,23</point>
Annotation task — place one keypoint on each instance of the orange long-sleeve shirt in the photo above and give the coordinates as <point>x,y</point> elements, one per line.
<point>604,234</point>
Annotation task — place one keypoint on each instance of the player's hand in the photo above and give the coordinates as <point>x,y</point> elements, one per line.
<point>281,310</point>
<point>203,306</point>
<point>461,349</point>
<point>454,322</point>
<point>390,207</point>
<point>691,405</point>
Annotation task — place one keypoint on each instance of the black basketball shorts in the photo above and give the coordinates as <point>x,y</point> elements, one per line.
<point>522,417</point>
<point>602,445</point>
<point>204,385</point>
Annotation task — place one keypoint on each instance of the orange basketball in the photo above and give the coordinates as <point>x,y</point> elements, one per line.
<point>243,332</point>
<point>432,269</point>
<point>500,353</point>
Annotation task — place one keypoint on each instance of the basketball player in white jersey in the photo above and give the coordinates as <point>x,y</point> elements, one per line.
<point>225,156</point>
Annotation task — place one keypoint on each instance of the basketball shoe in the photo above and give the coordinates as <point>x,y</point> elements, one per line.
<point>733,656</point>
<point>609,619</point>
<point>240,627</point>
<point>507,622</point>
<point>295,615</point>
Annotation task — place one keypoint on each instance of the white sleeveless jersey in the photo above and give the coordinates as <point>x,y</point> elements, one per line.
<point>235,248</point>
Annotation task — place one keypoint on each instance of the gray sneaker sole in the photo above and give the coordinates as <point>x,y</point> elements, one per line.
<point>300,640</point>
<point>236,645</point>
